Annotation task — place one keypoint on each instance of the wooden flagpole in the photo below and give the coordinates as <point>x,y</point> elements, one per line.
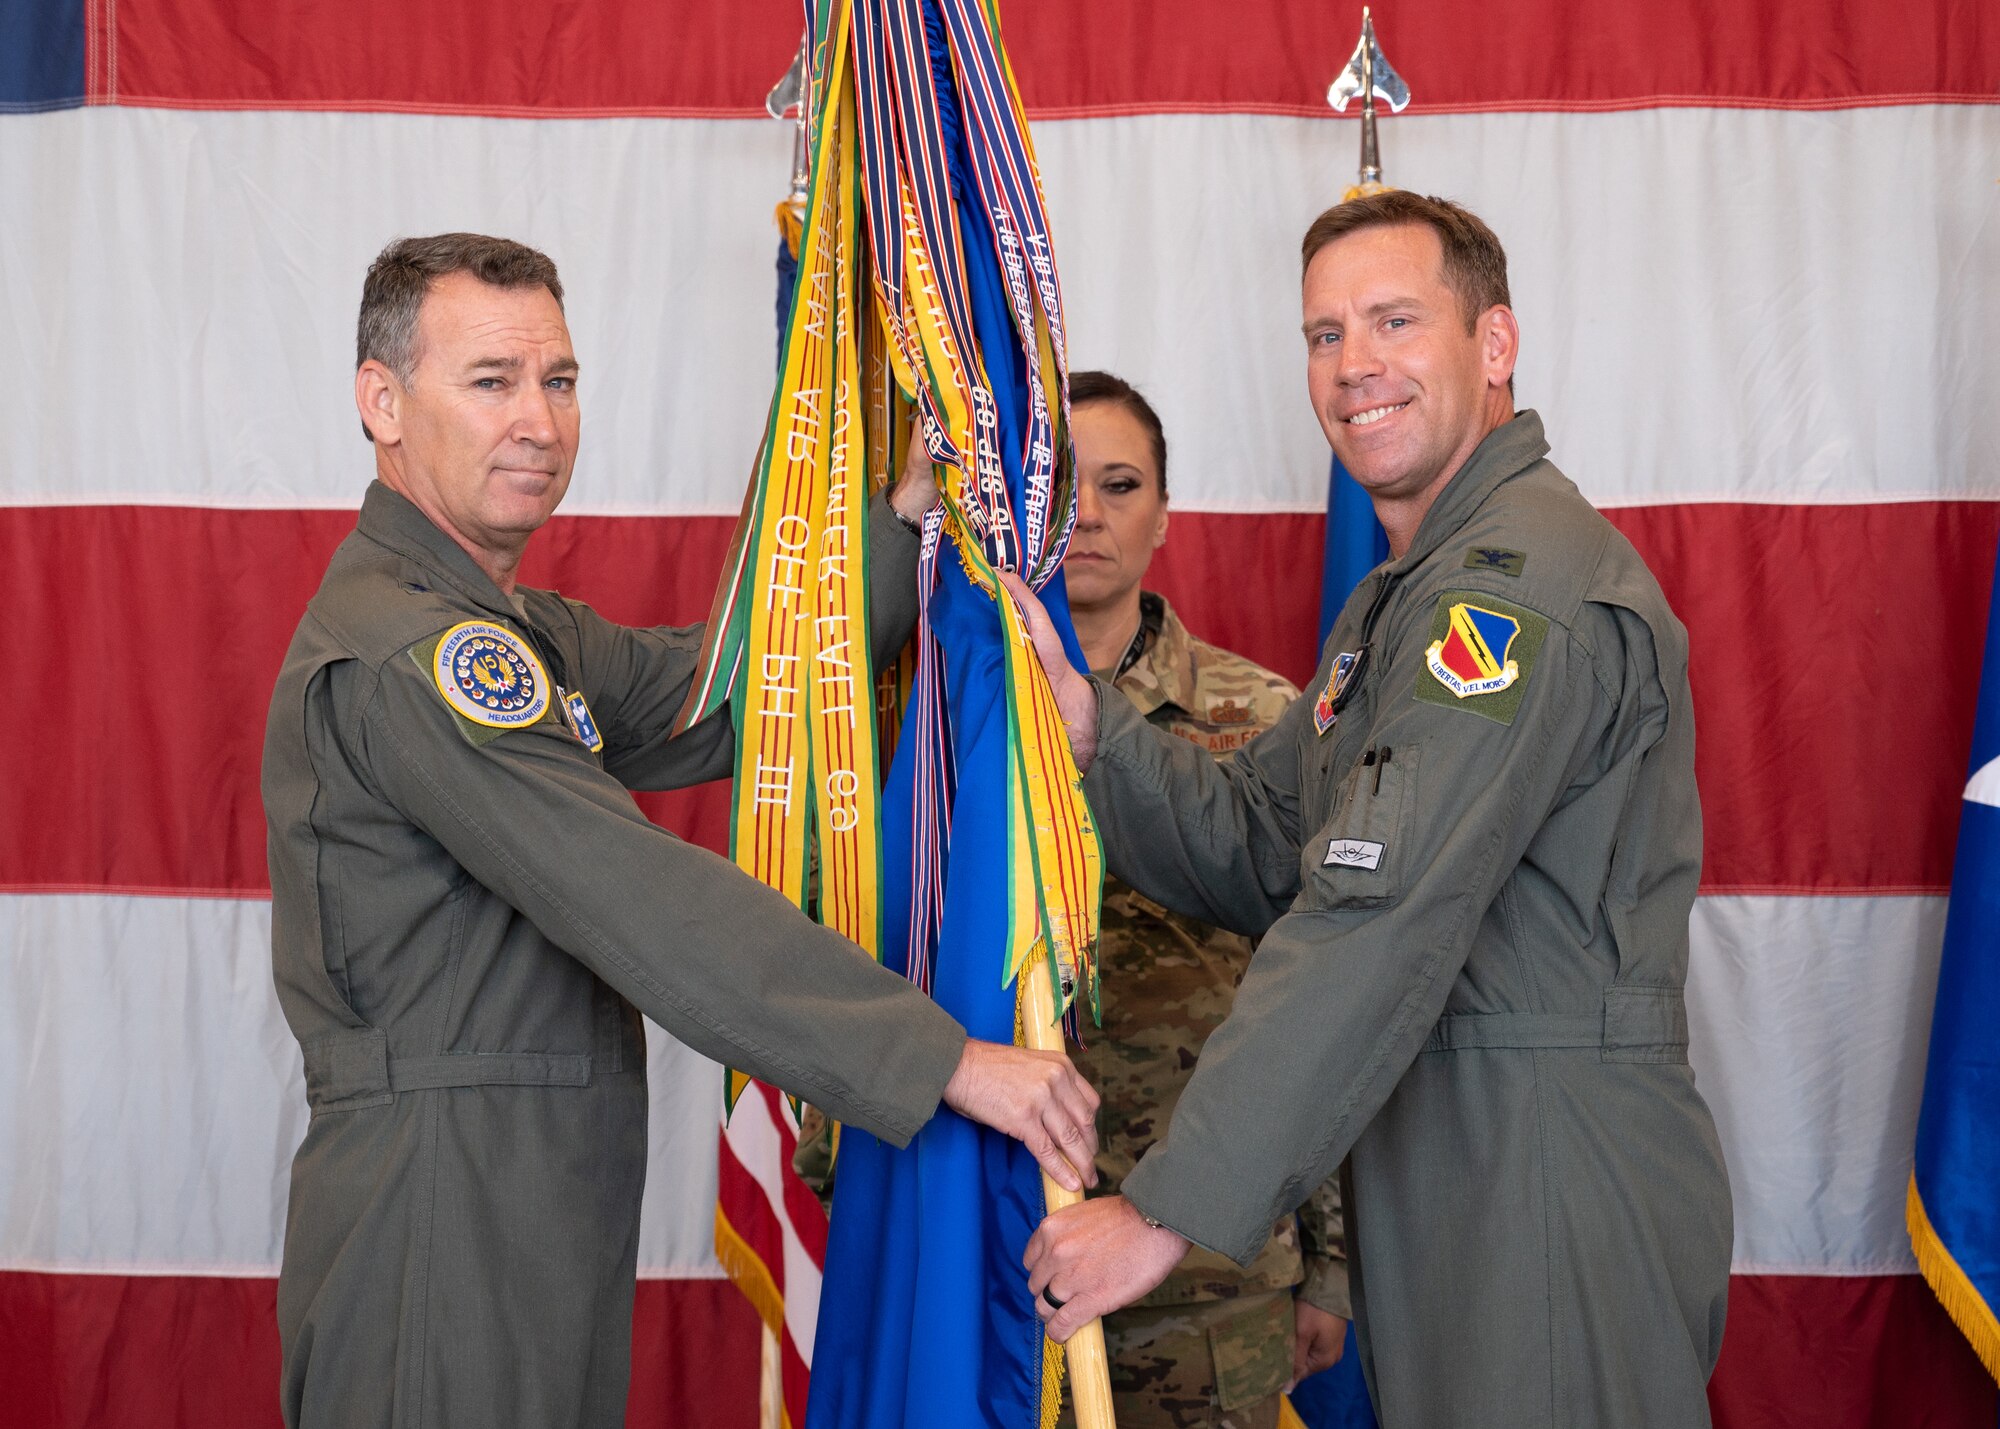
<point>1089,1368</point>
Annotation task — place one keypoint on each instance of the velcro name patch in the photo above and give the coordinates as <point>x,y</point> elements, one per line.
<point>1353,853</point>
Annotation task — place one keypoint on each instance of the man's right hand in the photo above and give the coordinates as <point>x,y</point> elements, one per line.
<point>1076,698</point>
<point>1037,1098</point>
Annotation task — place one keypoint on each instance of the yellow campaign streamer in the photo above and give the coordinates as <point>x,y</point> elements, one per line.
<point>1056,858</point>
<point>768,821</point>
<point>787,645</point>
<point>807,775</point>
<point>1056,862</point>
<point>840,695</point>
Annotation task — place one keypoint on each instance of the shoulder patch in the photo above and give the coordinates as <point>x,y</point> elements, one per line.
<point>489,676</point>
<point>576,713</point>
<point>1494,558</point>
<point>1482,651</point>
<point>1326,709</point>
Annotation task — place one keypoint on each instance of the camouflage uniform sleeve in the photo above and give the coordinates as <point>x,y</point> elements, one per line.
<point>812,1159</point>
<point>1323,1241</point>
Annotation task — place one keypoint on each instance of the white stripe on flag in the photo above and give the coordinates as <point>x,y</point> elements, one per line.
<point>1692,284</point>
<point>753,1139</point>
<point>1809,1019</point>
<point>151,1096</point>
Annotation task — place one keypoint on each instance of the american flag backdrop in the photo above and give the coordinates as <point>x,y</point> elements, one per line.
<point>1756,256</point>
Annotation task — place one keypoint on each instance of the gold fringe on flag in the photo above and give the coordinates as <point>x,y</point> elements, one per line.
<point>1952,1286</point>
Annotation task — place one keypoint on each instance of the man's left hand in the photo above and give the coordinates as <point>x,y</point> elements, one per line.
<point>1320,1339</point>
<point>1096,1257</point>
<point>916,489</point>
<point>1037,1098</point>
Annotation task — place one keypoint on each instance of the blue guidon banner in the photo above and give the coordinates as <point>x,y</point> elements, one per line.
<point>1954,1211</point>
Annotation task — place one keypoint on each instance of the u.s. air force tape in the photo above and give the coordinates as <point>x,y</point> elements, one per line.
<point>487,675</point>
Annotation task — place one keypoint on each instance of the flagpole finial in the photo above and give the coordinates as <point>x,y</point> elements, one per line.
<point>1368,75</point>
<point>794,92</point>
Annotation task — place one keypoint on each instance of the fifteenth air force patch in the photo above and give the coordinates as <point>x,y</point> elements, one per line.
<point>489,677</point>
<point>1480,655</point>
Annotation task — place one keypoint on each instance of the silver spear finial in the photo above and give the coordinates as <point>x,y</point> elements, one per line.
<point>794,92</point>
<point>1368,75</point>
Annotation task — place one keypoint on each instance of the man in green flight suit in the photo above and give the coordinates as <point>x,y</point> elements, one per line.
<point>1213,1346</point>
<point>1470,850</point>
<point>469,913</point>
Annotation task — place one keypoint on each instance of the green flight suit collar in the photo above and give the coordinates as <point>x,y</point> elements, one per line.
<point>392,520</point>
<point>1508,450</point>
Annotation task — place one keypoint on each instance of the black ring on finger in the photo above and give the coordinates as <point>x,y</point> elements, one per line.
<point>1054,1304</point>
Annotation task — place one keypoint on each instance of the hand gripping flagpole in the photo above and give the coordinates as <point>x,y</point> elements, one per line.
<point>1367,75</point>
<point>1089,1363</point>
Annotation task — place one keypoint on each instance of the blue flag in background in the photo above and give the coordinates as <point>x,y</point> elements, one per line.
<point>1954,1201</point>
<point>1355,545</point>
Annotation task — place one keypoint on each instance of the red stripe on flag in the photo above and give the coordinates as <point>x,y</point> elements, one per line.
<point>744,1202</point>
<point>717,57</point>
<point>1834,653</point>
<point>797,1382</point>
<point>1845,1352</point>
<point>696,1346</point>
<point>192,1352</point>
<point>802,1207</point>
<point>182,1352</point>
<point>148,693</point>
<point>741,1198</point>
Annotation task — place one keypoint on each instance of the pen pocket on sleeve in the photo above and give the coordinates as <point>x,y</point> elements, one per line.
<point>1359,857</point>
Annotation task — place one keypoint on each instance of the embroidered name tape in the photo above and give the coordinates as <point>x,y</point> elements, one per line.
<point>1353,853</point>
<point>487,675</point>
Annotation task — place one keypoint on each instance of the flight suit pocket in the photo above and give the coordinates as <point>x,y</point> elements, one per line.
<point>1360,857</point>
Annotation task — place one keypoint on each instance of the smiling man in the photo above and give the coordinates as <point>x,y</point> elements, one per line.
<point>469,913</point>
<point>1471,850</point>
